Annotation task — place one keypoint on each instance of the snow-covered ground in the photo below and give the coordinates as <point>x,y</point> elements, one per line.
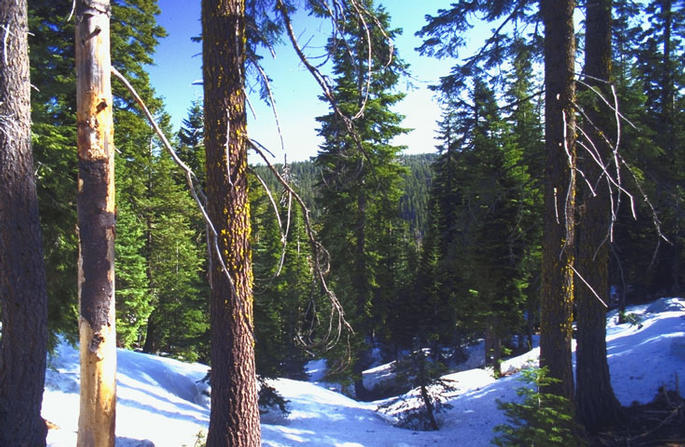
<point>160,403</point>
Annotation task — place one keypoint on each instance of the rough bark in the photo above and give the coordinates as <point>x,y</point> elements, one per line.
<point>595,401</point>
<point>234,417</point>
<point>96,221</point>
<point>23,296</point>
<point>559,191</point>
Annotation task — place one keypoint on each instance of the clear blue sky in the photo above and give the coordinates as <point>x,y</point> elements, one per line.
<point>178,65</point>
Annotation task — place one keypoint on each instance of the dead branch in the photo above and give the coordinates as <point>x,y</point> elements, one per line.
<point>195,190</point>
<point>320,259</point>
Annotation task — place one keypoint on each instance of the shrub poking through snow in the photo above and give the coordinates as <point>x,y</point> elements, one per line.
<point>419,409</point>
<point>271,403</point>
<point>539,419</point>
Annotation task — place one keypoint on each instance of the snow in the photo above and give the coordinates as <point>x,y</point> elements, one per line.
<point>161,401</point>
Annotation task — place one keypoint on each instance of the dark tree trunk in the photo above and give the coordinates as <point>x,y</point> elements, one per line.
<point>596,404</point>
<point>559,186</point>
<point>362,290</point>
<point>234,418</point>
<point>23,296</point>
<point>97,332</point>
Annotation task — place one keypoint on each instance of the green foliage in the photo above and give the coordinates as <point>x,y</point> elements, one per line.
<point>133,300</point>
<point>284,283</point>
<point>53,105</point>
<point>540,418</point>
<point>362,181</point>
<point>270,401</point>
<point>632,319</point>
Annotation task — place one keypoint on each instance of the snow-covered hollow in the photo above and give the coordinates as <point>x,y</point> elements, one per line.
<point>160,403</point>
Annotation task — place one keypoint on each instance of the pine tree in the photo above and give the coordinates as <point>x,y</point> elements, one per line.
<point>559,195</point>
<point>361,174</point>
<point>23,294</point>
<point>234,419</point>
<point>96,219</point>
<point>133,296</point>
<point>596,404</point>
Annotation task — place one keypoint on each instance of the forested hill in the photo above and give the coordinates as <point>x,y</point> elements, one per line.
<point>305,176</point>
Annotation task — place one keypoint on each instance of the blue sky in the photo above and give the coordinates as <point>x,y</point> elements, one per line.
<point>178,65</point>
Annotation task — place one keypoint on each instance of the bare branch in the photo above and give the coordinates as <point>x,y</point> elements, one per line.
<point>195,190</point>
<point>320,260</point>
<point>589,287</point>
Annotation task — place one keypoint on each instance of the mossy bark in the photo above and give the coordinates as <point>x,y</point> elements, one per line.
<point>234,418</point>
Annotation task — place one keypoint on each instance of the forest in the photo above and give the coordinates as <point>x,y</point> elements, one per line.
<point>555,195</point>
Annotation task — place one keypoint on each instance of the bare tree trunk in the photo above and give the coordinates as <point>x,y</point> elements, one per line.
<point>23,296</point>
<point>559,184</point>
<point>234,417</point>
<point>595,401</point>
<point>96,221</point>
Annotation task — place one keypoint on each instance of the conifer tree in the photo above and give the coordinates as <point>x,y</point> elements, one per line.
<point>361,174</point>
<point>23,294</point>
<point>234,419</point>
<point>134,37</point>
<point>559,196</point>
<point>595,401</point>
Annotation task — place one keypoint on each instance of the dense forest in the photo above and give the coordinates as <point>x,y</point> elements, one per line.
<point>517,224</point>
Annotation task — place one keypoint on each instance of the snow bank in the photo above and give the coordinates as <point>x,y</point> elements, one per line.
<point>160,404</point>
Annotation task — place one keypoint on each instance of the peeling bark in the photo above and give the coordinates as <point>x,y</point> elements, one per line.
<point>96,220</point>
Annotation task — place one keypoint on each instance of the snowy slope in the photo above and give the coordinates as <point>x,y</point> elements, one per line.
<point>160,405</point>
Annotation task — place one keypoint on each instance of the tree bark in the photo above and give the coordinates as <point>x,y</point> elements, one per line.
<point>234,417</point>
<point>559,190</point>
<point>23,295</point>
<point>595,401</point>
<point>96,221</point>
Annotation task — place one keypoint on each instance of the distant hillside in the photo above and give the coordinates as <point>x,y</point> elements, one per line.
<point>305,176</point>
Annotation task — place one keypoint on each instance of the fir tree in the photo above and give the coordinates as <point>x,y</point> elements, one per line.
<point>361,174</point>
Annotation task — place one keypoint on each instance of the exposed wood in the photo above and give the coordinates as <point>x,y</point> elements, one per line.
<point>234,417</point>
<point>23,296</point>
<point>96,219</point>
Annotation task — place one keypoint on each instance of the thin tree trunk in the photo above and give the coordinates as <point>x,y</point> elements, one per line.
<point>23,296</point>
<point>234,417</point>
<point>96,218</point>
<point>559,185</point>
<point>595,401</point>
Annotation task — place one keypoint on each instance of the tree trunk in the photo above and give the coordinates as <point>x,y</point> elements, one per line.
<point>23,296</point>
<point>559,185</point>
<point>234,418</point>
<point>96,218</point>
<point>596,404</point>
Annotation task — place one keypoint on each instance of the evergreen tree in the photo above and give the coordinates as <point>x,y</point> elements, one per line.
<point>234,418</point>
<point>133,295</point>
<point>361,173</point>
<point>283,285</point>
<point>596,404</point>
<point>559,196</point>
<point>179,323</point>
<point>134,37</point>
<point>23,294</point>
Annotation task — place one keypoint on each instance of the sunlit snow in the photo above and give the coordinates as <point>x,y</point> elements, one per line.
<point>160,402</point>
